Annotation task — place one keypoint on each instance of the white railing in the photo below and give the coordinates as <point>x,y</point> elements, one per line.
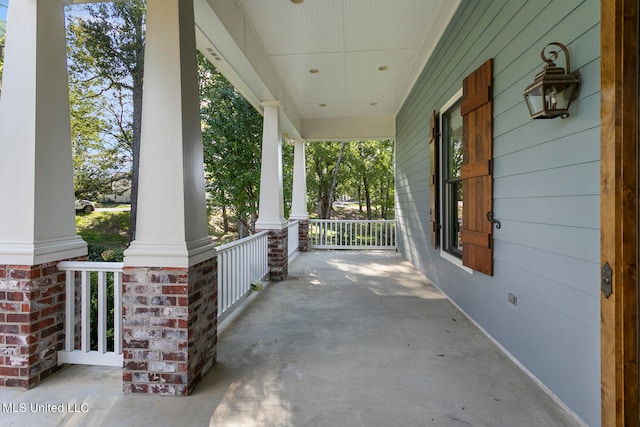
<point>88,354</point>
<point>240,263</point>
<point>293,237</point>
<point>352,234</point>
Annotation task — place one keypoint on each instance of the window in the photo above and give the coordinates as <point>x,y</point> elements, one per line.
<point>462,174</point>
<point>452,191</point>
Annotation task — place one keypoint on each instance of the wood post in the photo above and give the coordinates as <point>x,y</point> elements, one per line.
<point>619,210</point>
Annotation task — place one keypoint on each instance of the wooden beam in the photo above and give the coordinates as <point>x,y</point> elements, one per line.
<point>619,207</point>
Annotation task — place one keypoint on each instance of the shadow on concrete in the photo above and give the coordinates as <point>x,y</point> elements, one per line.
<point>349,339</point>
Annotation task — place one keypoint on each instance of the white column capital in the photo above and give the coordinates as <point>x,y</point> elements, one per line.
<point>271,103</point>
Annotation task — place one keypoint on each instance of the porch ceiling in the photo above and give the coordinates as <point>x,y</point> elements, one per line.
<point>267,49</point>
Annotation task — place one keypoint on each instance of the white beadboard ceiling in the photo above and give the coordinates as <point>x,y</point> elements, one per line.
<point>346,41</point>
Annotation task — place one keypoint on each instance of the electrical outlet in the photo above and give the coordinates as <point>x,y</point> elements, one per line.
<point>513,300</point>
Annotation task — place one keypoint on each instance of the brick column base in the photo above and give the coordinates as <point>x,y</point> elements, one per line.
<point>278,249</point>
<point>169,327</point>
<point>32,304</point>
<point>303,235</point>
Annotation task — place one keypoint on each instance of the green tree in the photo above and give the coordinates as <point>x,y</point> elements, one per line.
<point>232,141</point>
<point>383,178</point>
<point>94,165</point>
<point>287,175</point>
<point>98,158</point>
<point>370,177</point>
<point>232,136</point>
<point>323,166</point>
<point>360,169</point>
<point>107,55</point>
<point>2,37</point>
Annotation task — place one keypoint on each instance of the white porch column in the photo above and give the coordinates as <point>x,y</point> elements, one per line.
<point>170,269</point>
<point>37,221</point>
<point>299,193</point>
<point>37,218</point>
<point>172,217</point>
<point>271,209</point>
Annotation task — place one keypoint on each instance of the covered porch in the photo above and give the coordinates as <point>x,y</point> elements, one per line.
<point>379,345</point>
<point>556,285</point>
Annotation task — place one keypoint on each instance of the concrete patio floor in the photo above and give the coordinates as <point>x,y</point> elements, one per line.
<point>349,339</point>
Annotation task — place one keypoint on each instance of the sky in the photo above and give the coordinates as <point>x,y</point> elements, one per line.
<point>3,10</point>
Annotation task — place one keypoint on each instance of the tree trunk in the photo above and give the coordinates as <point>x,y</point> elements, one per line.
<point>323,208</point>
<point>334,184</point>
<point>138,77</point>
<point>254,218</point>
<point>384,201</point>
<point>242,226</point>
<point>367,195</point>
<point>225,219</point>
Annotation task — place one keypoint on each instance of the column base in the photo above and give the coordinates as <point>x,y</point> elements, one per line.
<point>32,304</point>
<point>278,253</point>
<point>169,327</point>
<point>42,251</point>
<point>303,235</point>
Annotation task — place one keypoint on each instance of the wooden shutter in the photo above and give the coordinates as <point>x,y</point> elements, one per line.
<point>433,180</point>
<point>476,172</point>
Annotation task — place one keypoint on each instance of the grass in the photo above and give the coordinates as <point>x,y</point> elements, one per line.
<point>349,211</point>
<point>104,231</point>
<point>108,230</point>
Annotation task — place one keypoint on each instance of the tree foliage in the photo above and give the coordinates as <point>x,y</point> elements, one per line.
<point>106,60</point>
<point>232,136</point>
<point>106,50</point>
<point>370,176</point>
<point>94,164</point>
<point>364,171</point>
<point>232,140</point>
<point>2,38</point>
<point>323,166</point>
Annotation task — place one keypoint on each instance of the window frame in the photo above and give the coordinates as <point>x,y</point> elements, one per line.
<point>443,189</point>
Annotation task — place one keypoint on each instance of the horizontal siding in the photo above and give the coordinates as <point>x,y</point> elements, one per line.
<point>586,115</point>
<point>551,182</point>
<point>561,152</point>
<point>550,211</point>
<point>546,191</point>
<point>572,274</point>
<point>581,243</point>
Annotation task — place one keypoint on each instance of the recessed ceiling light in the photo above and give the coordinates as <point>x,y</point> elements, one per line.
<point>383,68</point>
<point>314,71</point>
<point>322,105</point>
<point>296,1</point>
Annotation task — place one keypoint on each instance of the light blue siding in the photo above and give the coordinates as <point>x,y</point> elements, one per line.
<point>546,191</point>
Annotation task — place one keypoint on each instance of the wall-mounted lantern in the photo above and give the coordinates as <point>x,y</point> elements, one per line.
<point>553,89</point>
